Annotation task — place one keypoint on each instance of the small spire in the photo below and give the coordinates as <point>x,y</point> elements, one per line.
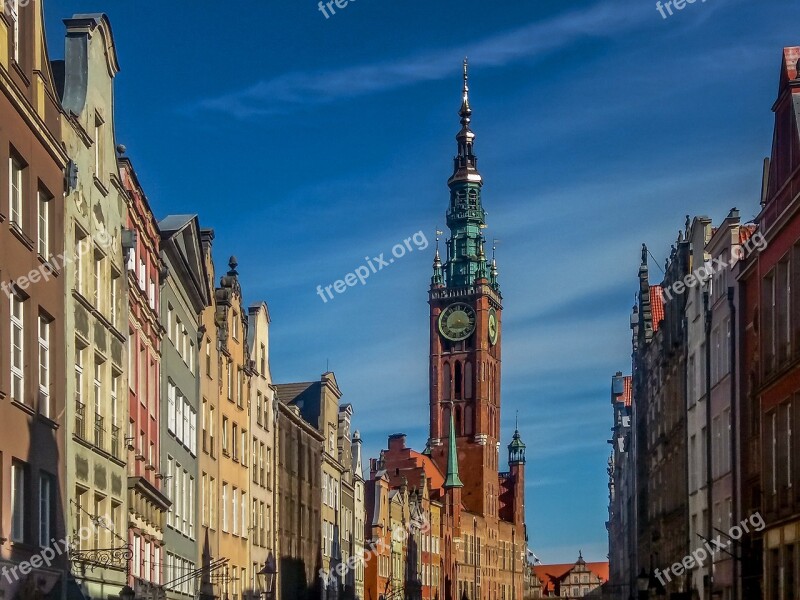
<point>438,276</point>
<point>453,480</point>
<point>466,111</point>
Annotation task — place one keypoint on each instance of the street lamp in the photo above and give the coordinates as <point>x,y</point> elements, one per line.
<point>127,593</point>
<point>642,584</point>
<point>266,577</point>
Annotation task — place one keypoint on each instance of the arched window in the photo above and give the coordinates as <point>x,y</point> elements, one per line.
<point>445,424</point>
<point>458,380</point>
<point>446,381</point>
<point>468,424</point>
<point>459,431</point>
<point>468,380</point>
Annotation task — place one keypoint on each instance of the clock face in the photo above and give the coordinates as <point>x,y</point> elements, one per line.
<point>457,322</point>
<point>493,326</point>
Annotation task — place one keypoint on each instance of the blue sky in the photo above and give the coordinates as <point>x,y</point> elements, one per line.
<point>308,144</point>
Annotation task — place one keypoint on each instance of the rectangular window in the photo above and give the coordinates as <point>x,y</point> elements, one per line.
<point>235,441</point>
<point>16,171</point>
<point>225,435</point>
<point>170,407</point>
<point>97,292</point>
<point>212,504</point>
<point>18,500</point>
<point>243,447</point>
<point>114,296</point>
<point>46,491</point>
<point>99,149</point>
<point>225,507</point>
<point>17,348</point>
<point>80,243</point>
<point>44,224</point>
<point>44,367</point>
<point>234,509</point>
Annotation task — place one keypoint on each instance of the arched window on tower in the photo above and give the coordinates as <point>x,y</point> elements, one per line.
<point>444,426</point>
<point>468,424</point>
<point>459,380</point>
<point>446,381</point>
<point>459,422</point>
<point>468,380</point>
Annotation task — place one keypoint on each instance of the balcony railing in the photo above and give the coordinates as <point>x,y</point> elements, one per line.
<point>99,432</point>
<point>80,423</point>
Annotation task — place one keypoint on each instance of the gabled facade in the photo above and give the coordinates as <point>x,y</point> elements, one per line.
<point>318,402</point>
<point>96,285</point>
<point>184,297</point>
<point>263,428</point>
<point>659,419</point>
<point>770,371</point>
<point>32,324</point>
<point>148,505</point>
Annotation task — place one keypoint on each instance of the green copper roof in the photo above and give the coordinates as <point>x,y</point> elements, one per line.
<point>466,260</point>
<point>453,480</point>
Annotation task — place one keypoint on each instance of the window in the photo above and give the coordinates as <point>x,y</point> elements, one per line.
<point>212,449</point>
<point>239,387</point>
<point>263,360</point>
<point>97,292</point>
<point>212,504</point>
<point>234,509</point>
<point>44,224</point>
<point>243,447</point>
<point>99,146</point>
<point>235,441</point>
<point>16,172</point>
<point>18,501</point>
<point>208,357</point>
<point>44,367</point>
<point>114,295</point>
<point>170,407</point>
<point>259,402</point>
<point>225,435</point>
<point>80,239</point>
<point>17,348</point>
<point>224,507</point>
<point>46,491</point>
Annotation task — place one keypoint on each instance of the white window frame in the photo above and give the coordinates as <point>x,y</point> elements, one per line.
<point>44,366</point>
<point>17,502</point>
<point>16,170</point>
<point>17,351</point>
<point>43,222</point>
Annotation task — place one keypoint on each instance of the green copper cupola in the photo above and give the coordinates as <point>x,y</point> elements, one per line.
<point>466,261</point>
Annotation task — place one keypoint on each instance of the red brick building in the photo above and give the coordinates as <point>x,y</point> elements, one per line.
<point>483,537</point>
<point>770,362</point>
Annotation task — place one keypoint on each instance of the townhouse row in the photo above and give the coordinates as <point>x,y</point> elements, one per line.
<point>705,470</point>
<point>145,451</point>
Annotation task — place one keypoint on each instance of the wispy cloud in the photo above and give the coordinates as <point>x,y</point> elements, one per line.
<point>533,41</point>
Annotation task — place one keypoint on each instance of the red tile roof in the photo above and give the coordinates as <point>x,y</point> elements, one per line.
<point>656,305</point>
<point>548,574</point>
<point>746,232</point>
<point>627,392</point>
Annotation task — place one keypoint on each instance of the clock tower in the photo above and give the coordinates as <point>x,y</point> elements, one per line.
<point>466,335</point>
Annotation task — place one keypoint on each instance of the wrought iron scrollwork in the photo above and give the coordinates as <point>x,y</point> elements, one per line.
<point>102,557</point>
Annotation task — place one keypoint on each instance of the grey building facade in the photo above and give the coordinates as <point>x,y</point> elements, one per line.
<point>183,298</point>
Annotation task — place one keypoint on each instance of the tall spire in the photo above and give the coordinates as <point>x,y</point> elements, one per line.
<point>466,163</point>
<point>466,218</point>
<point>453,480</point>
